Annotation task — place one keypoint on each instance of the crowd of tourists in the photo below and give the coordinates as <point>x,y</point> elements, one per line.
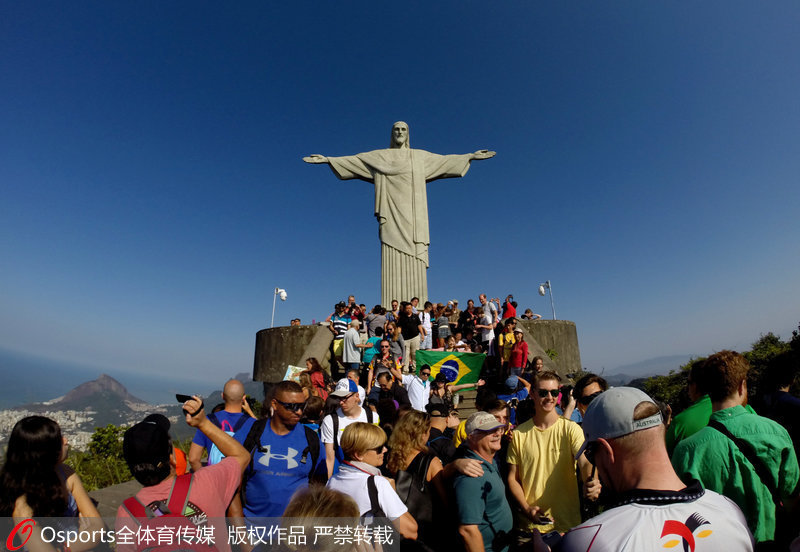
<point>540,465</point>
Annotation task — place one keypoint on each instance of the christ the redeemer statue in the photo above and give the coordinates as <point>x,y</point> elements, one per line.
<point>400,175</point>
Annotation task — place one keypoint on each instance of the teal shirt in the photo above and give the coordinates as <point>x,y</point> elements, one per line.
<point>716,461</point>
<point>370,352</point>
<point>482,501</point>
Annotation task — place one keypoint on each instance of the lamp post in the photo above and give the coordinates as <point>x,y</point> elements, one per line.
<point>278,292</point>
<point>542,288</point>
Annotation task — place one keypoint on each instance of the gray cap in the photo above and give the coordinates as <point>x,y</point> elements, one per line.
<point>481,421</point>
<point>610,415</point>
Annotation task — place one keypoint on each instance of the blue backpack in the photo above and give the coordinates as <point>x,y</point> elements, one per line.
<point>214,454</point>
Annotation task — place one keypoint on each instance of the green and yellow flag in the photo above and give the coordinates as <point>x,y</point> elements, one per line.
<point>457,367</point>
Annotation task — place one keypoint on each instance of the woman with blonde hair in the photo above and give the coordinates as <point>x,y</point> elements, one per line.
<point>363,446</point>
<point>316,506</point>
<point>417,472</point>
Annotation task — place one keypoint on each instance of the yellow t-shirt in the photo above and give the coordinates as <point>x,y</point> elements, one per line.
<point>507,343</point>
<point>461,434</point>
<point>545,461</point>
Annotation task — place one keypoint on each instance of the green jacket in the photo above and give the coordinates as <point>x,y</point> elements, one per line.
<point>716,461</point>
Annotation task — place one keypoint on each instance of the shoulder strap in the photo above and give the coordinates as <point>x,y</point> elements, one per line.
<point>374,504</point>
<point>335,424</point>
<point>752,457</point>
<point>251,443</point>
<point>240,422</point>
<point>313,447</point>
<point>253,438</point>
<point>135,508</point>
<point>214,420</point>
<point>369,414</point>
<point>179,495</point>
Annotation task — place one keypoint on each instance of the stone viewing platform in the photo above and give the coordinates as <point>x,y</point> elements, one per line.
<point>276,348</point>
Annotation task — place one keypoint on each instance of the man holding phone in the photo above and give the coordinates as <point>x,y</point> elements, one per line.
<point>541,466</point>
<point>148,451</point>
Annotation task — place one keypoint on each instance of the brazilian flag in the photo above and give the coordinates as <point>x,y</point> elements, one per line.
<point>457,367</point>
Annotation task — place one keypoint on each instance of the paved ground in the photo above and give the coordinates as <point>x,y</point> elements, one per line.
<point>110,498</point>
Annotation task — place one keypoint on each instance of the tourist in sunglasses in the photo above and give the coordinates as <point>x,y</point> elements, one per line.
<point>586,390</point>
<point>541,466</point>
<point>276,469</point>
<point>363,446</point>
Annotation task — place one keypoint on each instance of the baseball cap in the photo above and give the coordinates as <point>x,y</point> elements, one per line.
<point>160,420</point>
<point>610,415</point>
<point>348,385</point>
<point>481,421</point>
<point>147,446</point>
<point>342,392</point>
<point>437,410</point>
<point>512,382</point>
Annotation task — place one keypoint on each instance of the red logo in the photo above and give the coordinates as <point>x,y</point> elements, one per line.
<point>686,532</point>
<point>26,528</point>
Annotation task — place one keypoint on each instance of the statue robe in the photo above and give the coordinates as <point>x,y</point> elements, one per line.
<point>401,207</point>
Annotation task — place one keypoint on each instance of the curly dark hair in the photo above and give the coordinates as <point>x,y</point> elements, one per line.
<point>34,452</point>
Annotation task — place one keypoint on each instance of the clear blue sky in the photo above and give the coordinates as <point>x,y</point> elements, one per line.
<point>152,193</point>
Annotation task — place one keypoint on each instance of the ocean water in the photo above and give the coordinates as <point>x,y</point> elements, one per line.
<point>27,379</point>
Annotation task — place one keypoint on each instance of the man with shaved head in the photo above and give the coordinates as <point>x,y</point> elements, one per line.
<point>230,420</point>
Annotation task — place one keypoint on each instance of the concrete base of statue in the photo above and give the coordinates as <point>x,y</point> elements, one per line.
<point>277,348</point>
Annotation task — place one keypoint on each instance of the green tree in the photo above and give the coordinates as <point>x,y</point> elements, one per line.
<point>761,354</point>
<point>103,464</point>
<point>107,441</point>
<point>672,388</point>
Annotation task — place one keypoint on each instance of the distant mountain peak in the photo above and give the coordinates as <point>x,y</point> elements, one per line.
<point>104,384</point>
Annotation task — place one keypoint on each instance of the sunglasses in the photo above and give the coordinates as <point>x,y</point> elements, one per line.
<point>425,374</point>
<point>588,398</point>
<point>379,449</point>
<point>552,392</point>
<point>294,407</point>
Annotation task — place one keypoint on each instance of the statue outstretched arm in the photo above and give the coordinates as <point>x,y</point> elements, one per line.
<point>315,158</point>
<point>482,154</point>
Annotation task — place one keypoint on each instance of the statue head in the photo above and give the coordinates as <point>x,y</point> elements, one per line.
<point>400,135</point>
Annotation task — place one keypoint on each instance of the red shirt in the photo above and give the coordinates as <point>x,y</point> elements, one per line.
<point>509,311</point>
<point>519,355</point>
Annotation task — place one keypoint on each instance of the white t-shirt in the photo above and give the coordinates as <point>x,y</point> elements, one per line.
<point>344,383</point>
<point>418,391</point>
<point>487,334</point>
<point>326,429</point>
<point>713,521</point>
<point>353,482</point>
<point>426,322</point>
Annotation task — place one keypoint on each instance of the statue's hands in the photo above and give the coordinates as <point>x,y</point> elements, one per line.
<point>315,158</point>
<point>484,154</point>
